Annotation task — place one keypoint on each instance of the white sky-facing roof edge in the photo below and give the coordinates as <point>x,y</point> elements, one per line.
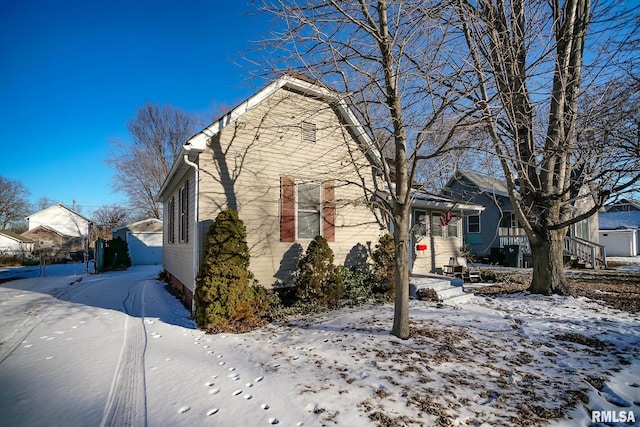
<point>197,143</point>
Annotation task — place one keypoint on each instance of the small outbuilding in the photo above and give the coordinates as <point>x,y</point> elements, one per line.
<point>144,239</point>
<point>14,244</point>
<point>620,232</point>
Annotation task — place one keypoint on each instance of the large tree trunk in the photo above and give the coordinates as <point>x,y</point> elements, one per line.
<point>401,238</point>
<point>548,264</point>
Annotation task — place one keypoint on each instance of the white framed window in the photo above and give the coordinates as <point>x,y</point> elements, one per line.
<point>420,223</point>
<point>437,229</point>
<point>582,229</point>
<point>473,224</point>
<point>452,228</point>
<point>309,209</point>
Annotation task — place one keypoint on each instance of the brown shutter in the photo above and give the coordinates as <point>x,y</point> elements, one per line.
<point>287,209</point>
<point>329,211</point>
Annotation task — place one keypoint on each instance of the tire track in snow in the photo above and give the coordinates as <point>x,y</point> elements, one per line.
<point>127,402</point>
<point>38,311</point>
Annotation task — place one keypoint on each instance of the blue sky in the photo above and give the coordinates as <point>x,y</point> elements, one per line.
<point>75,72</point>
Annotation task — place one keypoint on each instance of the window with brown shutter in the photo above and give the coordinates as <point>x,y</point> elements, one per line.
<point>328,211</point>
<point>287,210</point>
<point>183,196</point>
<point>171,206</point>
<point>309,209</point>
<point>306,210</point>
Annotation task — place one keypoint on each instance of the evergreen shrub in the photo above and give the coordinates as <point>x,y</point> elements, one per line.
<point>116,255</point>
<point>359,284</point>
<point>383,265</point>
<point>227,297</point>
<point>317,280</point>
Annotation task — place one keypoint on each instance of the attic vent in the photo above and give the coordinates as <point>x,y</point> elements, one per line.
<point>308,132</point>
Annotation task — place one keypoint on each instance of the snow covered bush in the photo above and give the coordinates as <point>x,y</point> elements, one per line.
<point>226,297</point>
<point>317,280</point>
<point>383,270</point>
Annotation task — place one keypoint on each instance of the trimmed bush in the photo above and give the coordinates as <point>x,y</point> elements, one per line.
<point>317,280</point>
<point>226,297</point>
<point>383,265</point>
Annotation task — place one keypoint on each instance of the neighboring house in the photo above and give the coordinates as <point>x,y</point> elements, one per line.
<point>498,226</point>
<point>433,243</point>
<point>59,232</point>
<point>15,244</point>
<point>483,231</point>
<point>620,232</point>
<point>144,239</point>
<point>292,160</point>
<point>623,205</point>
<point>61,219</point>
<point>51,243</point>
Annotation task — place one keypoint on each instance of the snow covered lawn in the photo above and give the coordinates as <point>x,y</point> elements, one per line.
<point>115,349</point>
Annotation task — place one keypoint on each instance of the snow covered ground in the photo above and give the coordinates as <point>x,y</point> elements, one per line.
<point>116,349</point>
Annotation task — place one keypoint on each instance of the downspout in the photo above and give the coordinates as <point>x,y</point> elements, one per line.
<point>196,231</point>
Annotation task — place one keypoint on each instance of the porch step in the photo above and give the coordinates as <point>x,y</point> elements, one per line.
<point>450,290</point>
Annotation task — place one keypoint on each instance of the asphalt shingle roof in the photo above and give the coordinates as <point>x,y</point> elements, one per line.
<point>619,220</point>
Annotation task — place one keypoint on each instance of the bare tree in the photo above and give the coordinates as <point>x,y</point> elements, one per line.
<point>107,217</point>
<point>13,203</point>
<point>392,61</point>
<point>528,58</point>
<point>608,135</point>
<point>142,164</point>
<point>44,202</point>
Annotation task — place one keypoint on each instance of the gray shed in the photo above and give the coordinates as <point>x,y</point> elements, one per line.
<point>144,239</point>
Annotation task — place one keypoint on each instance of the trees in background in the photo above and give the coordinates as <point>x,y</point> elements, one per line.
<point>142,164</point>
<point>107,217</point>
<point>13,204</point>
<point>425,78</point>
<point>557,152</point>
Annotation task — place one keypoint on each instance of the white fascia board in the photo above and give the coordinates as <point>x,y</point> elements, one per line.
<point>432,204</point>
<point>178,166</point>
<point>199,141</point>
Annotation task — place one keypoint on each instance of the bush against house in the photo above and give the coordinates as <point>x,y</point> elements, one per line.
<point>317,280</point>
<point>383,265</point>
<point>227,300</point>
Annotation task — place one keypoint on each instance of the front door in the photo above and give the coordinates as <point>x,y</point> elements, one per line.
<point>418,235</point>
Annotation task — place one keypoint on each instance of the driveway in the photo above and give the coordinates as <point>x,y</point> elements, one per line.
<point>116,349</point>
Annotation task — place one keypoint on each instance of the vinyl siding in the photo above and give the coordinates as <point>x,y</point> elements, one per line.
<point>243,164</point>
<point>177,256</point>
<point>439,250</point>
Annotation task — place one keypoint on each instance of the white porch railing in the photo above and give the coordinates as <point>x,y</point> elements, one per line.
<point>591,254</point>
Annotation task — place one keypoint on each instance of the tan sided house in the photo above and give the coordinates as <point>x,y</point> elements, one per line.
<point>292,160</point>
